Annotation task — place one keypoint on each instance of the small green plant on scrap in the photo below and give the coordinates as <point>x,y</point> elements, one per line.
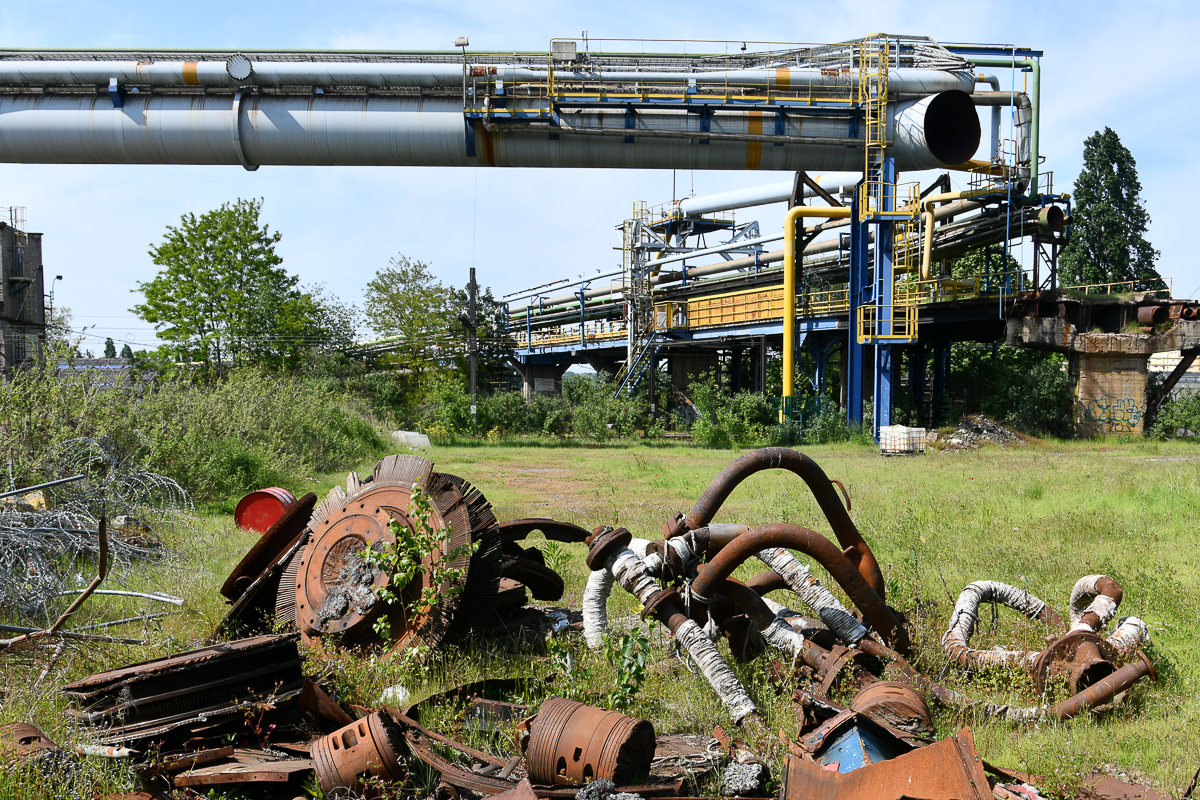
<point>404,560</point>
<point>627,655</point>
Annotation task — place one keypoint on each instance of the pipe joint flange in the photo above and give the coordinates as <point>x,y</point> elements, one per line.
<point>675,526</point>
<point>606,545</point>
<point>1081,656</point>
<point>656,600</point>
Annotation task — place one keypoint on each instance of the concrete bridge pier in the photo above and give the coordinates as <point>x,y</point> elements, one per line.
<point>1107,367</point>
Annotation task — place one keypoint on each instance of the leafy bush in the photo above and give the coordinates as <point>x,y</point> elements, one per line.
<point>827,425</point>
<point>1177,418</point>
<point>1021,388</point>
<point>724,419</point>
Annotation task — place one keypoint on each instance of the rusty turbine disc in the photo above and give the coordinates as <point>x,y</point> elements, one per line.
<point>336,589</point>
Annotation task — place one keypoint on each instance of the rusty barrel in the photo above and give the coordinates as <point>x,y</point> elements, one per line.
<point>259,510</point>
<point>365,745</point>
<point>571,742</point>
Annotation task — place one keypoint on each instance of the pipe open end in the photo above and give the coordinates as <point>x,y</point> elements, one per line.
<point>952,129</point>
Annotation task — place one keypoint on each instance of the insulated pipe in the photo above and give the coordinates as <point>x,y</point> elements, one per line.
<point>773,630</point>
<point>813,544</point>
<point>1094,602</point>
<point>929,219</point>
<point>957,639</point>
<point>810,472</point>
<point>1035,67</point>
<point>762,195</point>
<point>994,82</point>
<point>631,573</point>
<point>240,70</point>
<point>1021,117</point>
<point>789,288</point>
<point>254,129</point>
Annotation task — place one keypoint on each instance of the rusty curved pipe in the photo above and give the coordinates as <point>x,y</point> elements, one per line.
<point>837,564</point>
<point>810,472</point>
<point>766,582</point>
<point>1109,588</point>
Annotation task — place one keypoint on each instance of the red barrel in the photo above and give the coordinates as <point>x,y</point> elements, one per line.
<point>259,510</point>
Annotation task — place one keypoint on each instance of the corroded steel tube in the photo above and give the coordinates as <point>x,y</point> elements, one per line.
<point>1103,690</point>
<point>1094,602</point>
<point>816,546</point>
<point>767,582</point>
<point>818,482</point>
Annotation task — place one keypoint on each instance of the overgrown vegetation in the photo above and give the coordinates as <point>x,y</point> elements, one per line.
<point>250,429</point>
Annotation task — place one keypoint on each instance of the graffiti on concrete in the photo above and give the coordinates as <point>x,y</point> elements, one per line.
<point>1114,413</point>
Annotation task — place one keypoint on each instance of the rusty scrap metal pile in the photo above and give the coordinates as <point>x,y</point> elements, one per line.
<point>863,720</point>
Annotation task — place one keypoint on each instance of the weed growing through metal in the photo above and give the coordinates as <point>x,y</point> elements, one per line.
<point>405,560</point>
<point>627,656</point>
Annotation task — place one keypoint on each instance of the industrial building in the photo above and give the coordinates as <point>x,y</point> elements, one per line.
<point>22,304</point>
<point>866,267</point>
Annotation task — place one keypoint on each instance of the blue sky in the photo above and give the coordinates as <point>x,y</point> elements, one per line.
<point>1124,65</point>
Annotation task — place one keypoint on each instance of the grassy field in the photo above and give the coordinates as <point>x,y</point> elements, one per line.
<point>1038,517</point>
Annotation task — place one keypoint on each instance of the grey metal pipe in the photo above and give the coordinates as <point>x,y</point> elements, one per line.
<point>762,195</point>
<point>994,82</point>
<point>1022,119</point>
<point>255,129</point>
<point>240,70</point>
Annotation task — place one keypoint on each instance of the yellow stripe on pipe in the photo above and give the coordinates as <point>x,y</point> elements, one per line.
<point>754,149</point>
<point>189,73</point>
<point>783,78</point>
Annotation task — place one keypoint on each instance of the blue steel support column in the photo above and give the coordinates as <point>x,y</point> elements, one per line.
<point>858,296</point>
<point>821,359</point>
<point>883,294</point>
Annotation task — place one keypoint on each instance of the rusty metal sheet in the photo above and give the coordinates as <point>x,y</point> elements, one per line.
<point>522,791</point>
<point>1103,787</point>
<point>260,768</point>
<point>948,770</point>
<point>20,741</point>
<point>178,763</point>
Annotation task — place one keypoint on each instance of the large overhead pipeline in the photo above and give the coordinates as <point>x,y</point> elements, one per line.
<point>253,129</point>
<point>241,71</point>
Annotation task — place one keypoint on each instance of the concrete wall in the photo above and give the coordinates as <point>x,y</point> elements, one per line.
<point>1109,392</point>
<point>541,379</point>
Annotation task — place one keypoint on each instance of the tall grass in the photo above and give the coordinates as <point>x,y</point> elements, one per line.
<point>250,429</point>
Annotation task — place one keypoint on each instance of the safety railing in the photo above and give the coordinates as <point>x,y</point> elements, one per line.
<point>604,331</point>
<point>886,323</point>
<point>1124,287</point>
<point>745,307</point>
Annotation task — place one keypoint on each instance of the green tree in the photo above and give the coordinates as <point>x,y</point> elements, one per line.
<point>405,301</point>
<point>127,352</point>
<point>492,348</point>
<point>110,348</point>
<point>1108,236</point>
<point>214,269</point>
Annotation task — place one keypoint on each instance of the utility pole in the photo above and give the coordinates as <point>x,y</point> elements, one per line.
<point>471,346</point>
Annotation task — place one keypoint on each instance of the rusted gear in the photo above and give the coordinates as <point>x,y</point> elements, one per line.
<point>336,589</point>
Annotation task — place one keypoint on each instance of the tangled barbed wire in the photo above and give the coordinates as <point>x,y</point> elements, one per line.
<point>48,547</point>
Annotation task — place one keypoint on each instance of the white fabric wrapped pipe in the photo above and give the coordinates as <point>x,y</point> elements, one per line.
<point>957,640</point>
<point>1131,633</point>
<point>631,573</point>
<point>595,596</point>
<point>845,627</point>
<point>1085,598</point>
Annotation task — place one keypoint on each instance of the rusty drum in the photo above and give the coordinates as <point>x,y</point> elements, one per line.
<point>571,742</point>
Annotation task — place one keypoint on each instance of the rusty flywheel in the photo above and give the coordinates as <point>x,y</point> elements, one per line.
<point>335,588</point>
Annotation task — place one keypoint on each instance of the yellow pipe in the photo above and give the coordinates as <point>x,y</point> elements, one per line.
<point>927,214</point>
<point>789,287</point>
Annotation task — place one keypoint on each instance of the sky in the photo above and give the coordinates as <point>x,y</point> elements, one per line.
<point>1121,65</point>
